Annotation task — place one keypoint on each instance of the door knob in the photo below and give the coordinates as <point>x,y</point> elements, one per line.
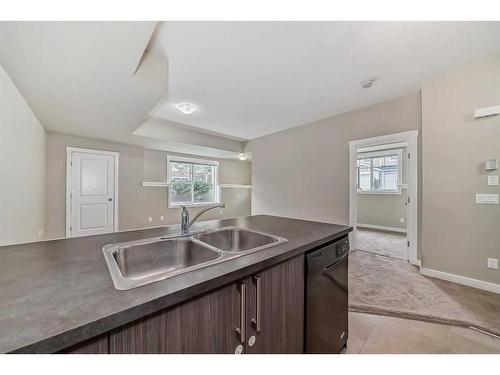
<point>110,199</point>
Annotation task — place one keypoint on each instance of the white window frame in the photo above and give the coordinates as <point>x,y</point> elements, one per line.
<point>182,159</point>
<point>399,153</point>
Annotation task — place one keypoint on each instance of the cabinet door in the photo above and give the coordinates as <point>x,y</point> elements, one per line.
<point>280,298</point>
<point>206,324</point>
<point>97,345</point>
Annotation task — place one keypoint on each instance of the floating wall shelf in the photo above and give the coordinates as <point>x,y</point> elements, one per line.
<point>222,186</point>
<point>154,183</point>
<point>234,186</point>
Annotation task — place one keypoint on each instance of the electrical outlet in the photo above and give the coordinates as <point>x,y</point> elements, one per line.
<point>161,218</point>
<point>401,219</point>
<point>150,219</point>
<point>493,263</point>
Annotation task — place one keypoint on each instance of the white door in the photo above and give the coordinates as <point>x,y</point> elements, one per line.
<point>92,194</point>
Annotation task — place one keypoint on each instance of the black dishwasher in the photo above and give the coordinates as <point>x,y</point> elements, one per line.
<point>326,298</point>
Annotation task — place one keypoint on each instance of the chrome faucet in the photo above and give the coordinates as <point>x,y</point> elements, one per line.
<point>186,224</point>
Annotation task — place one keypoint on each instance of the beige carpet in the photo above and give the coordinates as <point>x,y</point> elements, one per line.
<point>387,286</point>
<point>390,244</point>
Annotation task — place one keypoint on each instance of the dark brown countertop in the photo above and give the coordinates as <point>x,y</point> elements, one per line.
<point>54,294</point>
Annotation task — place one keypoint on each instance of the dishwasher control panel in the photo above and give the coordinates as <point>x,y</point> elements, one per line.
<point>342,247</point>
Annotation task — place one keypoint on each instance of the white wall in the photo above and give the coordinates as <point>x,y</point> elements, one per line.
<point>22,168</point>
<point>459,235</point>
<point>137,203</point>
<point>304,172</point>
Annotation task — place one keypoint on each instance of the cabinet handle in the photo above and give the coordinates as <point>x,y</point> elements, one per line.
<point>243,296</point>
<point>257,320</point>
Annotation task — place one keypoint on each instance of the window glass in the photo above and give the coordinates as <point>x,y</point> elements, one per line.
<point>364,174</point>
<point>378,173</point>
<point>192,183</point>
<point>204,187</point>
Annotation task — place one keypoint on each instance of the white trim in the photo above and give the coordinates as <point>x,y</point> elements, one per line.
<point>418,263</point>
<point>69,151</point>
<point>90,151</point>
<point>383,192</point>
<point>154,183</point>
<point>382,152</point>
<point>463,280</point>
<point>409,137</point>
<point>234,186</point>
<point>381,227</point>
<point>389,146</point>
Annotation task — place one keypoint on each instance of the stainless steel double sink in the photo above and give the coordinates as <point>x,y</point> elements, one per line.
<point>135,263</point>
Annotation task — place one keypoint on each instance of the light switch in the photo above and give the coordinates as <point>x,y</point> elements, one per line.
<point>491,164</point>
<point>492,180</point>
<point>486,198</point>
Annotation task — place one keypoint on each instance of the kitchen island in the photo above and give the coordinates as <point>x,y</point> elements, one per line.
<point>58,296</point>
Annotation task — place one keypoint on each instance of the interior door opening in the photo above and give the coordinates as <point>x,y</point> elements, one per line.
<point>383,200</point>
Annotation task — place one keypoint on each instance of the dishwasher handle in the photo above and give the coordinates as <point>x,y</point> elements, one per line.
<point>327,256</point>
<point>336,262</point>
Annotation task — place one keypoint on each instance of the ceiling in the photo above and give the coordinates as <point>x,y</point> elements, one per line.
<point>121,81</point>
<point>78,77</point>
<point>94,79</point>
<point>249,79</point>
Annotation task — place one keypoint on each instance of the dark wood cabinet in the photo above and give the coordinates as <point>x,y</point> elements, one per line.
<point>280,298</point>
<point>96,345</point>
<point>262,313</point>
<point>205,324</point>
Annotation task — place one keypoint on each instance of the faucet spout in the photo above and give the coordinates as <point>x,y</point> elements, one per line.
<point>186,224</point>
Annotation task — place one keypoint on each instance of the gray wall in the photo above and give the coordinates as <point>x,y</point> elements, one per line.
<point>385,209</point>
<point>458,235</point>
<point>22,168</point>
<point>136,203</point>
<point>382,209</point>
<point>304,172</point>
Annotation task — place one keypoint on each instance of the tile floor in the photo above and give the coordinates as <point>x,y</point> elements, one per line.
<point>378,334</point>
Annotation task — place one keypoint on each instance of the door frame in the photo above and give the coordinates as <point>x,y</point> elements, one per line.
<point>69,151</point>
<point>411,138</point>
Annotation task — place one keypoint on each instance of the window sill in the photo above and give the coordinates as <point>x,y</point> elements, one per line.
<point>379,192</point>
<point>193,205</point>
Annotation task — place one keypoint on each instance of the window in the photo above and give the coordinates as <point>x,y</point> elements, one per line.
<point>379,172</point>
<point>192,182</point>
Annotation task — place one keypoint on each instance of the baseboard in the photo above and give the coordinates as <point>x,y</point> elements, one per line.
<point>417,263</point>
<point>474,283</point>
<point>380,227</point>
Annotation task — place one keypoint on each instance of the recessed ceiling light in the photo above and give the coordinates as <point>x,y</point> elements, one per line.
<point>243,157</point>
<point>186,108</point>
<point>367,83</point>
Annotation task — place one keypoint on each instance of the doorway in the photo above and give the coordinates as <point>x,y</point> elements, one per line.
<point>91,192</point>
<point>383,195</point>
